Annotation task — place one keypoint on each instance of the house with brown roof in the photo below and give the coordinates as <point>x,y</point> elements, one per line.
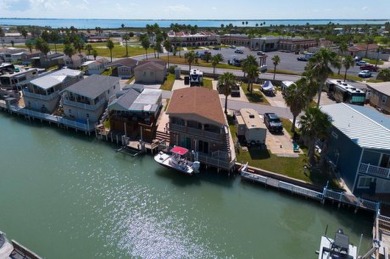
<point>362,50</point>
<point>379,95</point>
<point>152,71</point>
<point>124,68</point>
<point>197,122</point>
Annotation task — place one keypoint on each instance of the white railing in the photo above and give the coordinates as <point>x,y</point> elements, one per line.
<point>51,96</point>
<point>84,106</point>
<point>373,170</point>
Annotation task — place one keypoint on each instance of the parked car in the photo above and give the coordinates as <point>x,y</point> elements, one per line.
<point>369,67</point>
<point>260,53</point>
<point>301,58</point>
<point>232,47</point>
<point>357,58</point>
<point>239,51</point>
<point>273,123</point>
<point>365,73</point>
<point>361,63</point>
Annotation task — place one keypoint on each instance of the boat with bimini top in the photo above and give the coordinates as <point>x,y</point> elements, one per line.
<point>178,160</point>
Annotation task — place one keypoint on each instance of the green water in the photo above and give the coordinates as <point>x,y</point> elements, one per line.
<point>64,195</point>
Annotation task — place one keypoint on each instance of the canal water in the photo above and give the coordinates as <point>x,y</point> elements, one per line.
<point>65,195</point>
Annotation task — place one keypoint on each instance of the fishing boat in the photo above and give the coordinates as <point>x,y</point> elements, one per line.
<point>14,250</point>
<point>339,247</point>
<point>177,160</point>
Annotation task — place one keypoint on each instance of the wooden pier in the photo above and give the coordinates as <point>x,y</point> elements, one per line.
<point>44,117</point>
<point>340,198</point>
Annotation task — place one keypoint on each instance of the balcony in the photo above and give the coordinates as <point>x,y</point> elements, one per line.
<point>375,171</point>
<point>196,132</point>
<point>91,107</point>
<point>48,97</point>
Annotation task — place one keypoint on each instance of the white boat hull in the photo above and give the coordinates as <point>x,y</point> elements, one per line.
<point>168,161</point>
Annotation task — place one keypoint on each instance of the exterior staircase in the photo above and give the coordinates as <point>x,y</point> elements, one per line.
<point>162,136</point>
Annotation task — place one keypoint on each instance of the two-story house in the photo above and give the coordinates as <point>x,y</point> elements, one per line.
<point>75,61</point>
<point>94,67</point>
<point>359,148</point>
<point>43,93</point>
<point>135,112</point>
<point>86,100</point>
<point>197,122</point>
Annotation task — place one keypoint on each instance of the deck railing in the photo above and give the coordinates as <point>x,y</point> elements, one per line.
<point>48,97</point>
<point>84,106</point>
<point>196,132</point>
<point>375,171</point>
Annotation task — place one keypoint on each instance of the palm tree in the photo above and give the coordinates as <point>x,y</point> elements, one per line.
<point>295,98</point>
<point>384,75</point>
<point>225,83</point>
<point>69,50</point>
<point>276,62</point>
<point>338,64</point>
<point>126,38</point>
<point>319,68</point>
<point>94,54</point>
<point>54,37</point>
<point>110,46</point>
<point>314,125</point>
<point>89,48</point>
<point>252,74</point>
<point>168,48</point>
<point>248,62</point>
<point>29,45</point>
<point>215,60</point>
<point>190,57</point>
<point>145,44</point>
<point>348,62</point>
<point>343,47</point>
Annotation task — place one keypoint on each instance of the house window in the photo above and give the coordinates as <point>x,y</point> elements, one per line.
<point>385,161</point>
<point>384,99</point>
<point>364,182</point>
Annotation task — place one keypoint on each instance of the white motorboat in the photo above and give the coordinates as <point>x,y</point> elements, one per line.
<point>177,160</point>
<point>6,247</point>
<point>339,247</point>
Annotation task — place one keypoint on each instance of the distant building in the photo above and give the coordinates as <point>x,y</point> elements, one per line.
<point>379,95</point>
<point>151,71</point>
<point>124,68</point>
<point>94,67</point>
<point>12,80</point>
<point>43,93</point>
<point>197,122</point>
<point>296,44</point>
<point>86,100</point>
<point>359,149</point>
<point>204,38</point>
<point>75,61</point>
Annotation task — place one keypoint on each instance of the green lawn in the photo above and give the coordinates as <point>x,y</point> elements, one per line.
<point>168,83</point>
<point>255,96</point>
<point>207,83</point>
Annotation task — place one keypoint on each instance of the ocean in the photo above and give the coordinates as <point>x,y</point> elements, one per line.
<point>117,23</point>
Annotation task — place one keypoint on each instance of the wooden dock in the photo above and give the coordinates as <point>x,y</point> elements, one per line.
<point>340,198</point>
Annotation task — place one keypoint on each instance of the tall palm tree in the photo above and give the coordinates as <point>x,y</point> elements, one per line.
<point>190,58</point>
<point>276,62</point>
<point>252,74</point>
<point>225,83</point>
<point>145,42</point>
<point>126,38</point>
<point>215,60</point>
<point>29,44</point>
<point>54,37</point>
<point>338,64</point>
<point>348,62</point>
<point>319,68</point>
<point>69,50</point>
<point>295,98</point>
<point>94,54</point>
<point>247,63</point>
<point>89,48</point>
<point>343,47</point>
<point>168,48</point>
<point>314,125</point>
<point>110,46</point>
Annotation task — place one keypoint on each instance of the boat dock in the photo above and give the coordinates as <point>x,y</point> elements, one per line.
<point>44,117</point>
<point>340,198</point>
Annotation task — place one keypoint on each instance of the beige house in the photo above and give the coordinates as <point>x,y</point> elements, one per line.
<point>75,61</point>
<point>379,95</point>
<point>151,71</point>
<point>197,122</point>
<point>124,68</point>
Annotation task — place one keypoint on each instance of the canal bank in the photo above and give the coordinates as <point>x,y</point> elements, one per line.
<point>80,177</point>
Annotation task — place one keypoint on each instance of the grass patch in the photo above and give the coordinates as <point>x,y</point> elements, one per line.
<point>106,124</point>
<point>168,83</point>
<point>255,96</point>
<point>181,60</point>
<point>107,72</point>
<point>207,83</point>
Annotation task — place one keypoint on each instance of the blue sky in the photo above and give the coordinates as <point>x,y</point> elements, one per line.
<point>199,9</point>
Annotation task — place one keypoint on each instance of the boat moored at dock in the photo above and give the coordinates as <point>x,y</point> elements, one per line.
<point>339,247</point>
<point>177,160</point>
<point>14,250</point>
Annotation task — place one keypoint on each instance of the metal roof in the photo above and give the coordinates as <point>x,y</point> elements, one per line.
<point>360,125</point>
<point>383,87</point>
<point>52,79</point>
<point>147,101</point>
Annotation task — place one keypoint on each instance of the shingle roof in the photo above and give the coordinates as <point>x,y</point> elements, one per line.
<point>154,60</point>
<point>124,102</point>
<point>149,65</point>
<point>199,101</point>
<point>93,86</point>
<point>354,122</point>
<point>128,62</point>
